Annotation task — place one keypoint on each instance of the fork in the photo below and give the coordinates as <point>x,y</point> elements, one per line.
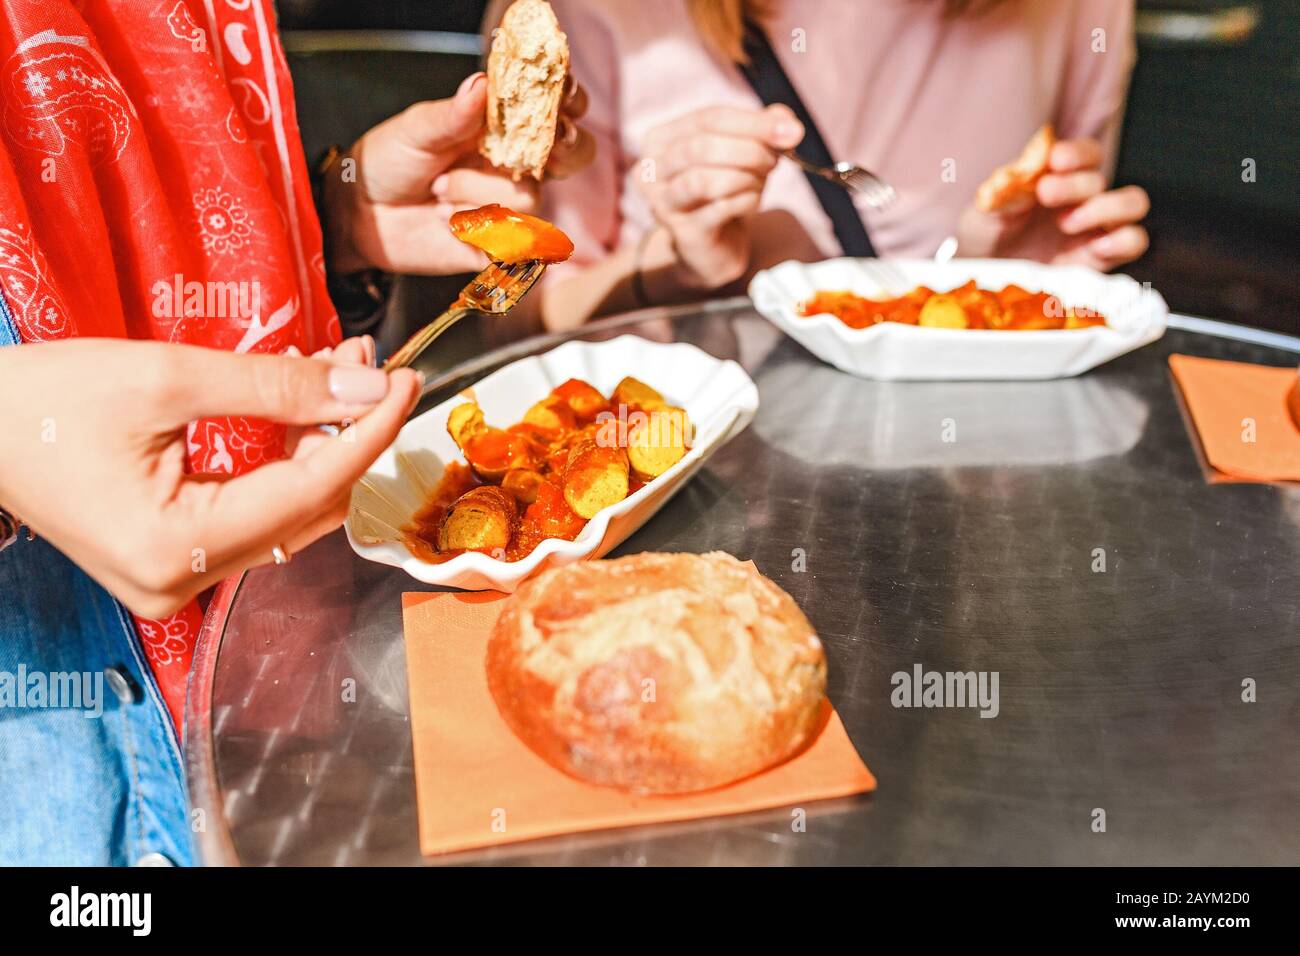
<point>877,193</point>
<point>496,290</point>
<point>892,280</point>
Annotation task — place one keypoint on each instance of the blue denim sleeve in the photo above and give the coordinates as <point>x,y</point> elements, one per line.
<point>90,767</point>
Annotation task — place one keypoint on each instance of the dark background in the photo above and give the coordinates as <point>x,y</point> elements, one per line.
<point>1221,247</point>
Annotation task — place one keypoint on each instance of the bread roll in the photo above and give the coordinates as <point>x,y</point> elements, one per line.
<point>1017,181</point>
<point>525,73</point>
<point>657,673</point>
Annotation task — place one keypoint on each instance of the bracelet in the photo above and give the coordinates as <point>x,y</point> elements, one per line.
<point>639,295</point>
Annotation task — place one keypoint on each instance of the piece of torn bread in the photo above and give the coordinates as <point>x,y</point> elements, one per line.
<point>525,73</point>
<point>1017,179</point>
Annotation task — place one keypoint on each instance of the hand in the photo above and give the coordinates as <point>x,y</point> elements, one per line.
<point>704,177</point>
<point>1096,227</point>
<point>412,171</point>
<point>92,456</point>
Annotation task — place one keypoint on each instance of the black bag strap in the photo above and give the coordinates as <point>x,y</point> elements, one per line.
<point>769,80</point>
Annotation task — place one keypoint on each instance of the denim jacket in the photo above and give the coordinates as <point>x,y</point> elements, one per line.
<point>90,764</point>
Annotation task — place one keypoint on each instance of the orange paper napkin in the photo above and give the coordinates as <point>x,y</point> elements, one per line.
<point>1233,402</point>
<point>478,785</point>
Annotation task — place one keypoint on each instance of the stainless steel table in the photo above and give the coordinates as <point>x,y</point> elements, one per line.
<point>1119,689</point>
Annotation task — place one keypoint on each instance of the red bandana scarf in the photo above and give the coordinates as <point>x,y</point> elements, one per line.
<point>152,185</point>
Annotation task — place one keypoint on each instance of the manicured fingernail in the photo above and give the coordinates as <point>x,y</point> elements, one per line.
<point>788,133</point>
<point>293,351</point>
<point>368,347</point>
<point>468,84</point>
<point>357,384</point>
<point>570,87</point>
<point>440,182</point>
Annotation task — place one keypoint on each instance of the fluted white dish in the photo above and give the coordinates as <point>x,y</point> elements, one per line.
<point>718,396</point>
<point>1135,316</point>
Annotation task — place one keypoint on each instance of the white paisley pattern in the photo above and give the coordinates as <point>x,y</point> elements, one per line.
<point>32,297</point>
<point>183,27</point>
<point>229,446</point>
<point>62,91</point>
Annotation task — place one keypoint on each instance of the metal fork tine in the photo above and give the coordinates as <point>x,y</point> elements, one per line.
<point>892,275</point>
<point>490,278</point>
<point>854,178</point>
<point>501,287</point>
<point>877,188</point>
<point>876,192</point>
<point>885,275</point>
<point>497,290</point>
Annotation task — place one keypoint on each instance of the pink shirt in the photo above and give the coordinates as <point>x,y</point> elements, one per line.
<point>930,104</point>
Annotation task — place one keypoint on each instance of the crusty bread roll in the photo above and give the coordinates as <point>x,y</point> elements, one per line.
<point>525,73</point>
<point>657,673</point>
<point>1017,180</point>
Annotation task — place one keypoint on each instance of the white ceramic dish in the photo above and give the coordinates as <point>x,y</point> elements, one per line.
<point>718,396</point>
<point>1135,314</point>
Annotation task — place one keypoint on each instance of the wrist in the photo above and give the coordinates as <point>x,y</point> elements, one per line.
<point>359,291</point>
<point>680,272</point>
<point>665,275</point>
<point>336,195</point>
<point>983,234</point>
